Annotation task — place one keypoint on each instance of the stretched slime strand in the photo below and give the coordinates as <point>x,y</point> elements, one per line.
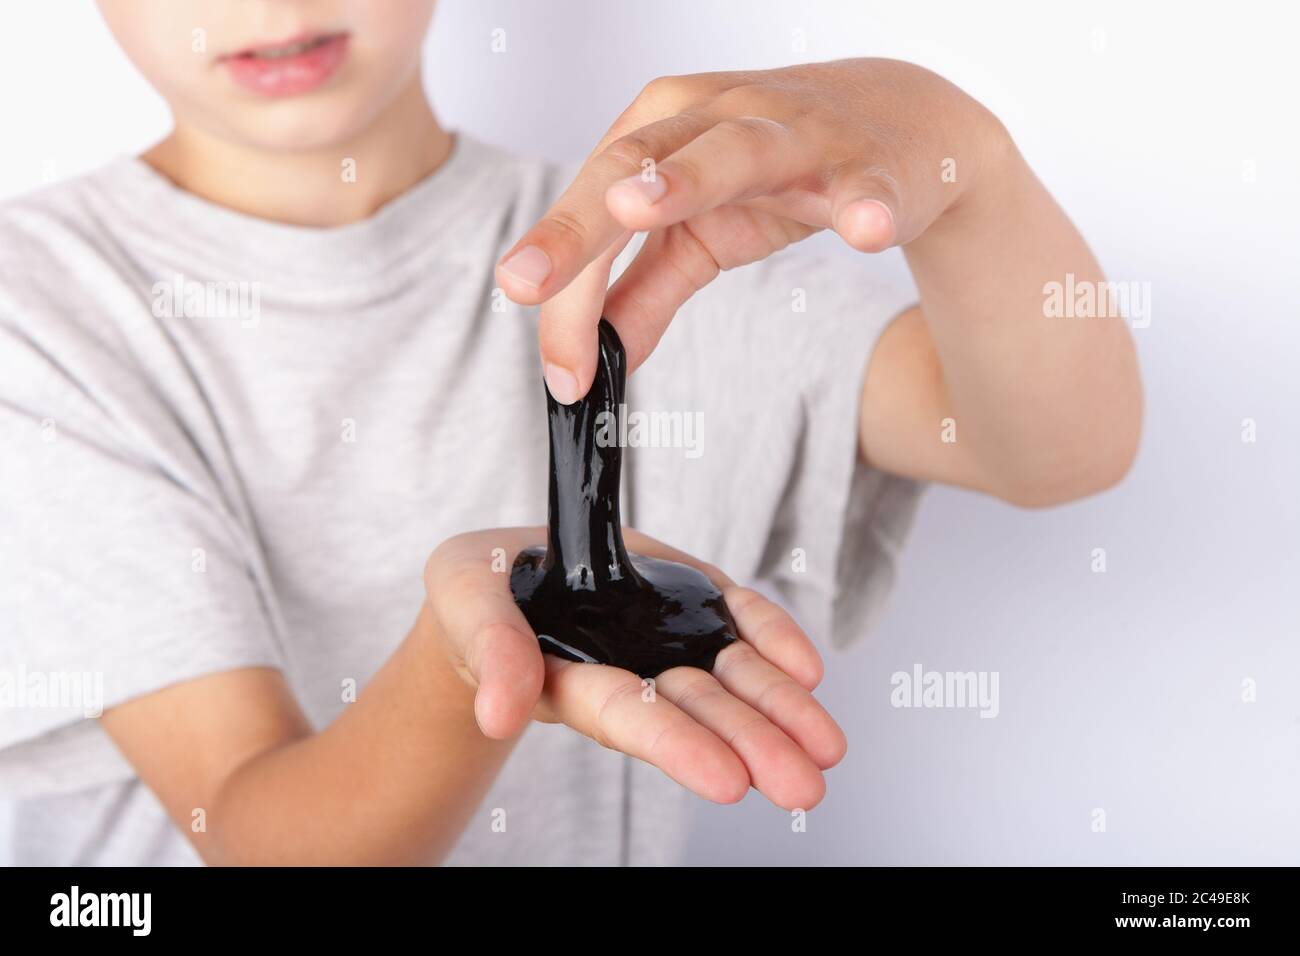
<point>584,526</point>
<point>584,595</point>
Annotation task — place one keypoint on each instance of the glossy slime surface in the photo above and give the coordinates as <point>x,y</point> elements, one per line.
<point>585,597</point>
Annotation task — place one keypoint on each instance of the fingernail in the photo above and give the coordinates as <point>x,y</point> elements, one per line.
<point>649,191</point>
<point>530,265</point>
<point>562,384</point>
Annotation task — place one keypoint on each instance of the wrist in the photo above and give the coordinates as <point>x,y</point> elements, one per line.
<point>989,179</point>
<point>997,160</point>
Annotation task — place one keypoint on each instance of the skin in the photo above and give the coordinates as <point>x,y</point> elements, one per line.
<point>748,163</point>
<point>395,778</point>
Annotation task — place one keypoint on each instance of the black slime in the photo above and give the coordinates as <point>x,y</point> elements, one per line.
<point>584,596</point>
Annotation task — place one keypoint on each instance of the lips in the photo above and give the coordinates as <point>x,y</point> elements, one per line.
<point>288,67</point>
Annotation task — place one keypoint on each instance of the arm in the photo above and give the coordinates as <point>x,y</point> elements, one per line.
<point>397,776</point>
<point>724,169</point>
<point>1045,409</point>
<point>392,780</point>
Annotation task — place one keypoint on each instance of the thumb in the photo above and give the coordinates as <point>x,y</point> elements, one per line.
<point>865,208</point>
<point>567,331</point>
<point>481,627</point>
<point>506,663</point>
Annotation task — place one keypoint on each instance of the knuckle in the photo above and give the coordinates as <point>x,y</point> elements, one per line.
<point>696,690</point>
<point>734,655</point>
<point>663,90</point>
<point>764,620</point>
<point>776,687</point>
<point>877,176</point>
<point>666,733</point>
<point>741,598</point>
<point>494,633</point>
<point>687,174</point>
<point>566,227</point>
<point>462,578</point>
<point>756,722</point>
<point>627,153</point>
<point>752,135</point>
<point>600,731</point>
<point>489,641</point>
<point>693,260</point>
<point>752,98</point>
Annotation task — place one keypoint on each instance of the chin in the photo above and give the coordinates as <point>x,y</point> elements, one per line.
<point>321,123</point>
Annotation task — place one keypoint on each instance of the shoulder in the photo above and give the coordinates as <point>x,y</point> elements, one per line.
<point>37,225</point>
<point>58,241</point>
<point>66,283</point>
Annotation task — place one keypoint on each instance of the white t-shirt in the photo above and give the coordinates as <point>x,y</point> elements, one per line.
<point>229,443</point>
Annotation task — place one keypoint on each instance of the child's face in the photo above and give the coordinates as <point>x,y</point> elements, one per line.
<point>273,74</point>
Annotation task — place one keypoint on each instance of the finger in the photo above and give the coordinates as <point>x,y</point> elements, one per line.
<point>762,623</point>
<point>775,695</point>
<point>568,326</point>
<point>578,227</point>
<point>678,261</point>
<point>777,767</point>
<point>739,158</point>
<point>775,635</point>
<point>573,236</point>
<point>671,266</point>
<point>506,662</point>
<point>478,616</point>
<point>865,208</point>
<point>609,705</point>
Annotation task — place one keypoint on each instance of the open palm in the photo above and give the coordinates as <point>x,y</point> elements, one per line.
<point>751,722</point>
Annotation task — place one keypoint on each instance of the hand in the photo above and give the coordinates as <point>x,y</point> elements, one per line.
<point>753,721</point>
<point>723,169</point>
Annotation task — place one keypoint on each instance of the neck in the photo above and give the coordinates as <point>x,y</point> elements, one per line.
<point>402,146</point>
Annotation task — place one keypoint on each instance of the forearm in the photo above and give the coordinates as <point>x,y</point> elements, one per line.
<point>1043,409</point>
<point>393,780</point>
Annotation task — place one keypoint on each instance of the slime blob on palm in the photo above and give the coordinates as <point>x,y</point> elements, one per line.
<point>585,597</point>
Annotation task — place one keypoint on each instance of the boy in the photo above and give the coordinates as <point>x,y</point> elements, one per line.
<point>222,509</point>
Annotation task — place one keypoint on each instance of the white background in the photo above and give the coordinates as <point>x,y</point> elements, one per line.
<point>1168,131</point>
